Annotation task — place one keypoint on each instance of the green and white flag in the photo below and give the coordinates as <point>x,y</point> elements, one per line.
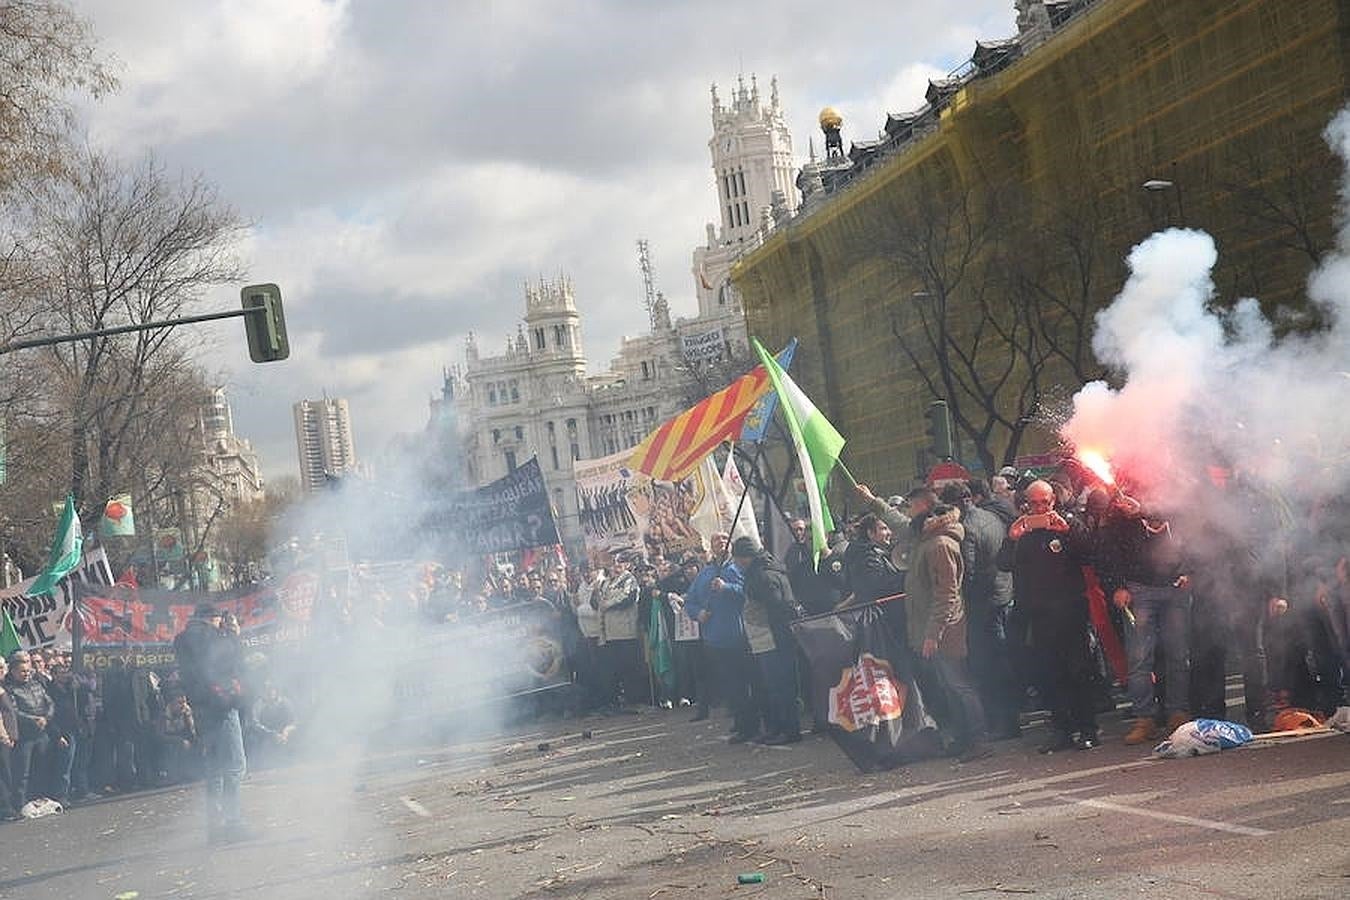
<point>816,442</point>
<point>9,637</point>
<point>65,554</point>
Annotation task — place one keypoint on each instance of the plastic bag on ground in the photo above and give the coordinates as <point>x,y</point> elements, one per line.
<point>36,809</point>
<point>1201,736</point>
<point>1341,720</point>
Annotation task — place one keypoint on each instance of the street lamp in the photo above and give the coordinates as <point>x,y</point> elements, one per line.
<point>1158,185</point>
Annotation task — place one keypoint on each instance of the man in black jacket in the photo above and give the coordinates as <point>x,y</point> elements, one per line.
<point>207,661</point>
<point>35,710</point>
<point>770,608</point>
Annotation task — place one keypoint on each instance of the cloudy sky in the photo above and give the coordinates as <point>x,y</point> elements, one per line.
<point>407,164</point>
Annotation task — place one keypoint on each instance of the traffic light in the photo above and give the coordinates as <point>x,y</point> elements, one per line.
<point>266,330</point>
<point>939,429</point>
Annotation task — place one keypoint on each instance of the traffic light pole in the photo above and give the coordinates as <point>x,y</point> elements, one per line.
<point>127,329</point>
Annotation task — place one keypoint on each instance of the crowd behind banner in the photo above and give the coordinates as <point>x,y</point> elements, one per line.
<point>932,624</point>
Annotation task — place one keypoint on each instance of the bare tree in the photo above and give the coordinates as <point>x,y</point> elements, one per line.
<point>123,245</point>
<point>47,53</point>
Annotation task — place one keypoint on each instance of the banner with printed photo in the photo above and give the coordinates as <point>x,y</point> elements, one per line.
<point>608,521</point>
<point>44,621</point>
<point>622,510</point>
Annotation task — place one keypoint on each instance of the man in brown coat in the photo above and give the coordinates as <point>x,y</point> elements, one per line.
<point>936,620</point>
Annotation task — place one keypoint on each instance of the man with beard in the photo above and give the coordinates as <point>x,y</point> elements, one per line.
<point>769,609</point>
<point>1045,551</point>
<point>207,661</point>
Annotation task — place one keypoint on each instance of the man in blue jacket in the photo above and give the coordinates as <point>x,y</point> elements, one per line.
<point>715,600</point>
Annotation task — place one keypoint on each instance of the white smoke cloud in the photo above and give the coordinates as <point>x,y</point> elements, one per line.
<point>1208,385</point>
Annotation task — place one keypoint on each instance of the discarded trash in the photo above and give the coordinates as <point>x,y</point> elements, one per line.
<point>1294,719</point>
<point>750,878</point>
<point>1341,720</point>
<point>544,746</point>
<point>1203,736</point>
<point>127,895</point>
<point>586,735</point>
<point>42,806</point>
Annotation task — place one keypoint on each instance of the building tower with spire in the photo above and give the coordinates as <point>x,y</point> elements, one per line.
<point>753,170</point>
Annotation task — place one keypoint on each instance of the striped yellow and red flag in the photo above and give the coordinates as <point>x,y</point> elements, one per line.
<point>676,448</point>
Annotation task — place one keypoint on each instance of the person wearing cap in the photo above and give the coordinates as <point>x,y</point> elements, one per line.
<point>207,663</point>
<point>620,656</point>
<point>769,609</point>
<point>716,600</point>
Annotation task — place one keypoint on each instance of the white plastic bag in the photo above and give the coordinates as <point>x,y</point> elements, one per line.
<point>1203,736</point>
<point>42,806</point>
<point>1341,720</point>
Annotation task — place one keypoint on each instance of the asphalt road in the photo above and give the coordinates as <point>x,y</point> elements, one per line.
<point>652,806</point>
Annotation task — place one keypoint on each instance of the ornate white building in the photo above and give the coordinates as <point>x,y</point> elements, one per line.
<point>536,399</point>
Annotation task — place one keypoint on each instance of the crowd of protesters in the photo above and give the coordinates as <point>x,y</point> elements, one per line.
<point>1009,595</point>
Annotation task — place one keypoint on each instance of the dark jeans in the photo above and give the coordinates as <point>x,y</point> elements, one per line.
<point>991,667</point>
<point>688,659</point>
<point>1060,638</point>
<point>1218,624</point>
<point>949,678</point>
<point>590,686</point>
<point>735,677</point>
<point>9,799</point>
<point>625,674</point>
<point>61,764</point>
<point>30,755</point>
<point>778,674</point>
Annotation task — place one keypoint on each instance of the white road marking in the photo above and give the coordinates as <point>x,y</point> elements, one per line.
<point>1169,817</point>
<point>416,807</point>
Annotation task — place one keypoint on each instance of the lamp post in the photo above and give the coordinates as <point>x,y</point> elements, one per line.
<point>1159,185</point>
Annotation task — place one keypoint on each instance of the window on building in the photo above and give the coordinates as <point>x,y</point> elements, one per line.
<point>576,450</point>
<point>496,435</point>
<point>520,433</point>
<point>559,336</point>
<point>572,429</point>
<point>492,395</point>
<point>609,445</point>
<point>510,460</point>
<point>515,391</point>
<point>539,339</point>
<point>730,218</point>
<point>553,450</point>
<point>646,371</point>
<point>745,209</point>
<point>552,432</point>
<point>740,176</point>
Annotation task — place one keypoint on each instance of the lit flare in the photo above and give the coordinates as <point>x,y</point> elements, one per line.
<point>1096,461</point>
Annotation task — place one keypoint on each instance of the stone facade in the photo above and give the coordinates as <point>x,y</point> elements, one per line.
<point>535,398</point>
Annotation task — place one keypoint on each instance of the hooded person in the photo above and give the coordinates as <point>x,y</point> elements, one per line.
<point>770,608</point>
<point>208,661</point>
<point>936,622</point>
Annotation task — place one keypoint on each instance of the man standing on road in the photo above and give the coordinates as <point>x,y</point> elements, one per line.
<point>716,600</point>
<point>936,621</point>
<point>207,662</point>
<point>769,609</point>
<point>35,710</point>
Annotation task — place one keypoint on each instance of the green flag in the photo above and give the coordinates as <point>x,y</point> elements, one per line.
<point>65,553</point>
<point>9,638</point>
<point>816,442</point>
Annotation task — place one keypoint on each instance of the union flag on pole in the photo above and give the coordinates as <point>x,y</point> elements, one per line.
<point>678,445</point>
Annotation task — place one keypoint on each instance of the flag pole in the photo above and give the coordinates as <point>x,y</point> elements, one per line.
<point>759,450</point>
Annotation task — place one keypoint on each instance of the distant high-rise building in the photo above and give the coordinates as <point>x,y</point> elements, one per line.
<point>323,437</point>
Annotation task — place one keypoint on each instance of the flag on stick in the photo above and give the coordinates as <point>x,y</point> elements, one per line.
<point>65,553</point>
<point>816,442</point>
<point>9,638</point>
<point>678,445</point>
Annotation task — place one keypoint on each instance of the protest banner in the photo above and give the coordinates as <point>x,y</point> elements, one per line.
<point>861,676</point>
<point>483,658</point>
<point>621,509</point>
<point>44,621</point>
<point>138,625</point>
<point>512,513</point>
<point>705,347</point>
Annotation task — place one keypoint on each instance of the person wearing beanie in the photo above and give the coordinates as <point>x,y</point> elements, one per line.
<point>770,607</point>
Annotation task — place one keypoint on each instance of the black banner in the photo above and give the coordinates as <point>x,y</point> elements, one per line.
<point>864,679</point>
<point>512,513</point>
